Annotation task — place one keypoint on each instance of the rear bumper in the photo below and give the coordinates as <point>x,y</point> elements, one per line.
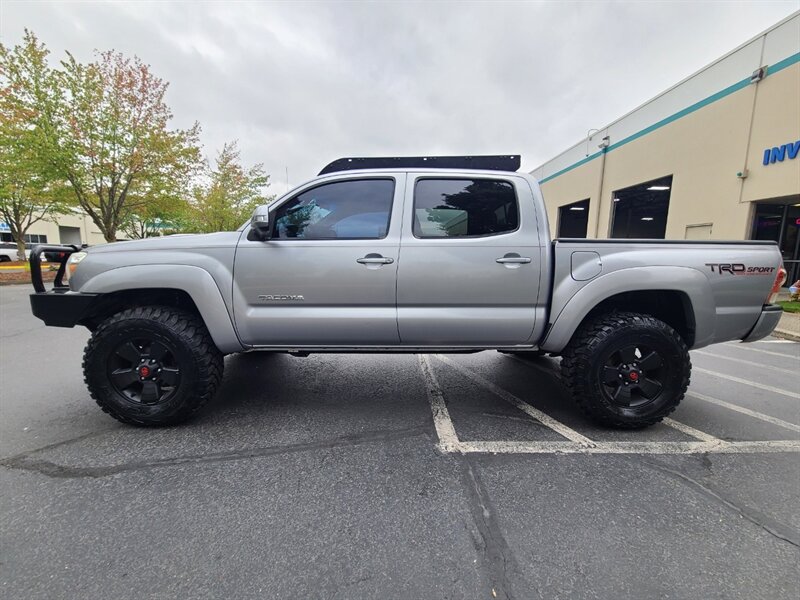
<point>770,315</point>
<point>61,308</point>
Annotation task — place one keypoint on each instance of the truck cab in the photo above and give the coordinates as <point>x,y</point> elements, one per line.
<point>384,258</point>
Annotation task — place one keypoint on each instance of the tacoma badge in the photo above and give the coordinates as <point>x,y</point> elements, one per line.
<point>273,297</point>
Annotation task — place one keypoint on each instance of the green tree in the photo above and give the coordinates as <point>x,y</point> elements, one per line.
<point>172,215</point>
<point>27,197</point>
<point>31,190</point>
<point>230,193</point>
<point>103,127</point>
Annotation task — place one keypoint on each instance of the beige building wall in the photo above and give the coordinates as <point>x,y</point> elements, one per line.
<point>704,132</point>
<point>579,184</point>
<point>776,121</point>
<point>74,223</point>
<point>703,151</point>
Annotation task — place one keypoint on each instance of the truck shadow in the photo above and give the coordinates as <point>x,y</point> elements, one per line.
<point>376,390</point>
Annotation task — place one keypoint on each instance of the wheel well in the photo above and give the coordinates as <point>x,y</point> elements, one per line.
<point>670,306</point>
<point>114,302</point>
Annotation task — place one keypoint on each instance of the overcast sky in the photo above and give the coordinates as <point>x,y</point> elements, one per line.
<point>300,84</point>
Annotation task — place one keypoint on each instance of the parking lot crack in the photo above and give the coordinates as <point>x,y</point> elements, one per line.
<point>27,462</point>
<point>495,554</point>
<point>58,444</point>
<point>775,528</point>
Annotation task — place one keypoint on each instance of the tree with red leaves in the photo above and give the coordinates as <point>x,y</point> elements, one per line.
<point>104,129</point>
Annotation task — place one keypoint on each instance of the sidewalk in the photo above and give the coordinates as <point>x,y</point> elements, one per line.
<point>789,327</point>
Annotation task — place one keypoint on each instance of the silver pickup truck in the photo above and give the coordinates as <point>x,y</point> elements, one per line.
<point>435,254</point>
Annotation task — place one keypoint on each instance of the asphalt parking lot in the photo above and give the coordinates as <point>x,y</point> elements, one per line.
<point>367,476</point>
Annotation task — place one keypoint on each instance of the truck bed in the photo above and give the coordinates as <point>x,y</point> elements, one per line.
<point>724,284</point>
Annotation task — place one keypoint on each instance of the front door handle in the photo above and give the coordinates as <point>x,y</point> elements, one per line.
<point>375,259</point>
<point>513,260</point>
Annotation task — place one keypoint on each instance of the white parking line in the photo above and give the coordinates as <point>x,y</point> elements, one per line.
<point>685,428</point>
<point>579,444</point>
<point>543,418</point>
<point>720,447</point>
<point>688,430</point>
<point>745,411</point>
<point>750,348</point>
<point>691,431</point>
<point>746,362</point>
<point>448,440</point>
<point>760,386</point>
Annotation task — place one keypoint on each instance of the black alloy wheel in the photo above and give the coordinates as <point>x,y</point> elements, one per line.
<point>626,370</point>
<point>144,370</point>
<point>152,365</point>
<point>633,376</point>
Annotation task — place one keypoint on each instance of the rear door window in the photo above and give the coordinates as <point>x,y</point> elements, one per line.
<point>448,208</point>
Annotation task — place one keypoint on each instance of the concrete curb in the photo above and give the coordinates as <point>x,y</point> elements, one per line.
<point>786,335</point>
<point>789,327</point>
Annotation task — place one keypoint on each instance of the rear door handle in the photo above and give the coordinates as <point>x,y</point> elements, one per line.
<point>375,259</point>
<point>513,260</point>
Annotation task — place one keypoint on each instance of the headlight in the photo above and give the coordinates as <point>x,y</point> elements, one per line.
<point>72,263</point>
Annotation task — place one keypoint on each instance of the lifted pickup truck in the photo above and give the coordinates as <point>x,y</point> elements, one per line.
<point>436,254</point>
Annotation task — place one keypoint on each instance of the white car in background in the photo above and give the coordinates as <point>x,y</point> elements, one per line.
<point>8,251</point>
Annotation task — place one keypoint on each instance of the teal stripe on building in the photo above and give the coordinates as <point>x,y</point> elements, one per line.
<point>775,68</point>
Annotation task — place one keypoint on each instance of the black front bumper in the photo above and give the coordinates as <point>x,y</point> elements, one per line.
<point>61,308</point>
<point>58,307</point>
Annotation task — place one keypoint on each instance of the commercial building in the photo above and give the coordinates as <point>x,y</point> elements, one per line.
<point>716,156</point>
<point>75,227</point>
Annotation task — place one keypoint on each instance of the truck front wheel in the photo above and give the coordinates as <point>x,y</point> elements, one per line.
<point>152,365</point>
<point>626,370</point>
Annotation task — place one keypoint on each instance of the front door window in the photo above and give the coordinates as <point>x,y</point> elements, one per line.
<point>343,210</point>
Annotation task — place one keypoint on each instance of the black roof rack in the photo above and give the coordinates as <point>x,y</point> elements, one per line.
<point>506,162</point>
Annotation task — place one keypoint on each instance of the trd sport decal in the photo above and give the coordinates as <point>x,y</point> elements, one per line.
<point>739,269</point>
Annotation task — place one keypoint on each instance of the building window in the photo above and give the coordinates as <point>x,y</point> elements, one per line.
<point>640,211</point>
<point>768,223</point>
<point>33,238</point>
<point>464,208</point>
<point>781,223</point>
<point>573,219</point>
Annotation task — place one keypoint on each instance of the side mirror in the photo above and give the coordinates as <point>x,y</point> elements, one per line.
<point>259,222</point>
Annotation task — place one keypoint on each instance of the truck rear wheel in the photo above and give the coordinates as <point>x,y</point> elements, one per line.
<point>152,365</point>
<point>626,370</point>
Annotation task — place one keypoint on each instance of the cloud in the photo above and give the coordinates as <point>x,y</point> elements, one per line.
<point>300,84</point>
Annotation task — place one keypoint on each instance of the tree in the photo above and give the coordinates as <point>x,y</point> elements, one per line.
<point>119,154</point>
<point>230,193</point>
<point>157,218</point>
<point>30,189</point>
<point>103,128</point>
<point>26,197</point>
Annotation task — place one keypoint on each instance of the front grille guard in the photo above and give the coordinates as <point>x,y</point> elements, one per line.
<point>36,266</point>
